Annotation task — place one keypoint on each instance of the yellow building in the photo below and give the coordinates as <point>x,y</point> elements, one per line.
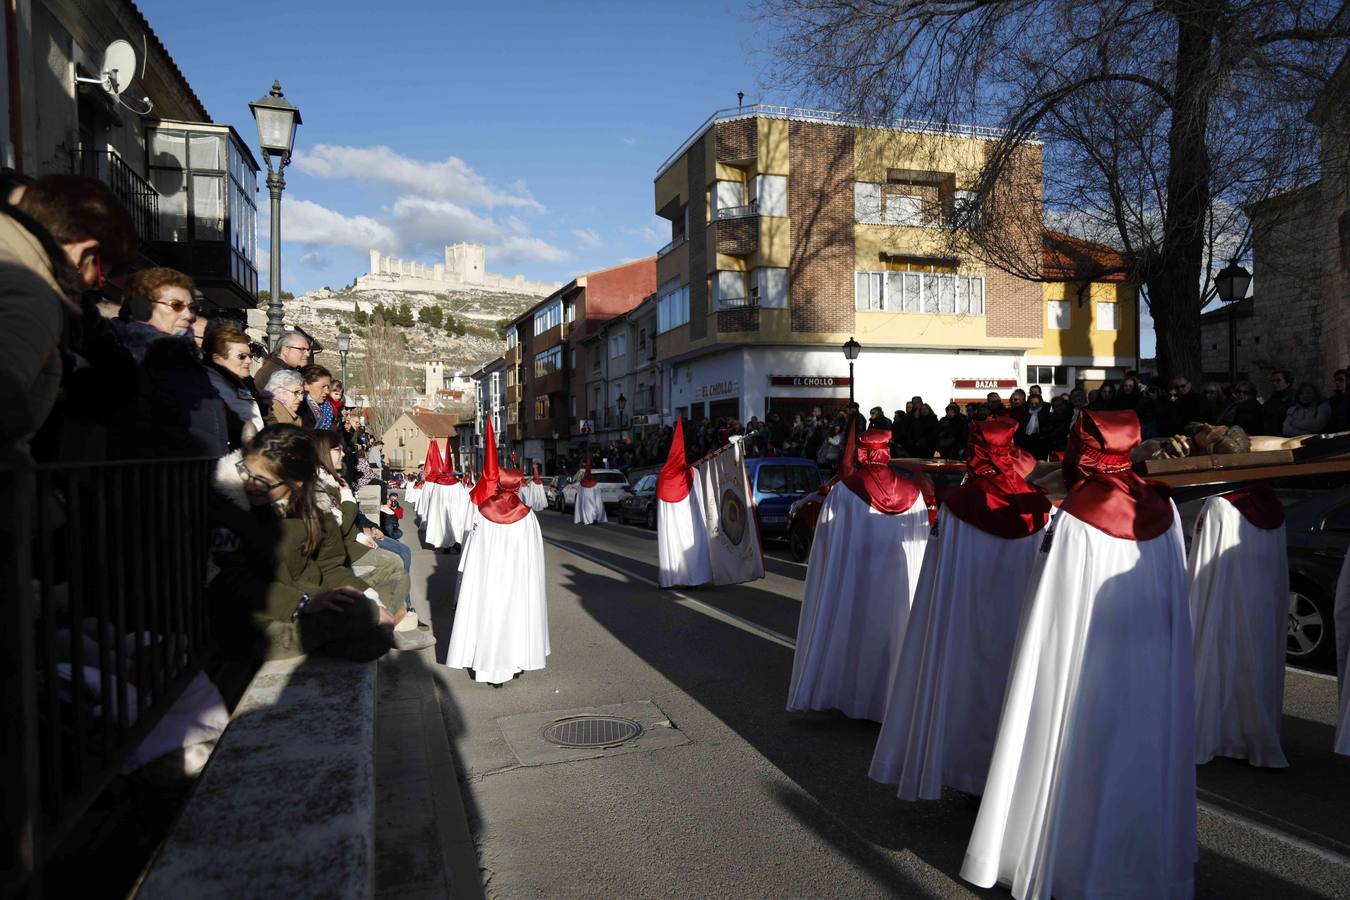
<point>794,230</point>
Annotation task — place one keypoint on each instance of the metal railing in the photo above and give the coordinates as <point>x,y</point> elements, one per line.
<point>738,212</point>
<point>104,624</point>
<point>138,196</point>
<point>674,244</point>
<point>729,303</point>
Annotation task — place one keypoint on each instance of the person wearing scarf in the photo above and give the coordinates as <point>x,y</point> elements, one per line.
<point>501,612</point>
<point>1239,579</point>
<point>947,687</point>
<point>1091,788</point>
<point>860,578</point>
<point>681,532</point>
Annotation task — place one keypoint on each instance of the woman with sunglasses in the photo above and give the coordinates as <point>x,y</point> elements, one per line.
<point>227,367</point>
<point>282,571</point>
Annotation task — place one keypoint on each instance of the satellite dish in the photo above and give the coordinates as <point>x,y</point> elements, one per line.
<point>119,67</point>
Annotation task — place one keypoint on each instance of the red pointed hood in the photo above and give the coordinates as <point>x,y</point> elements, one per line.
<point>1104,491</point>
<point>446,473</point>
<point>848,461</point>
<point>873,480</point>
<point>433,466</point>
<point>504,506</point>
<point>676,477</point>
<point>488,483</point>
<point>1258,504</point>
<point>537,479</point>
<point>996,498</point>
<point>587,481</point>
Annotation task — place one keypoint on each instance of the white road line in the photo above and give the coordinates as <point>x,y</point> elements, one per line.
<point>1274,834</point>
<point>686,601</point>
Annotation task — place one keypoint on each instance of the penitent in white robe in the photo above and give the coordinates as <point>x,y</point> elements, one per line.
<point>437,532</point>
<point>1239,576</point>
<point>423,499</point>
<point>501,614</point>
<point>535,496</point>
<point>1342,620</point>
<point>589,508</point>
<point>859,581</point>
<point>946,689</point>
<point>1091,790</point>
<point>682,541</point>
<point>459,510</point>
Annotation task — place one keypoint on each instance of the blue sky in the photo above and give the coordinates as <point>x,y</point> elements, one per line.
<point>534,128</point>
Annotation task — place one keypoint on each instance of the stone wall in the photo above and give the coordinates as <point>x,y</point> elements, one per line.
<point>820,204</point>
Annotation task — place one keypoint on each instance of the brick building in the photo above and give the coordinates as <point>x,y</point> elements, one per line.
<point>794,230</point>
<point>545,403</point>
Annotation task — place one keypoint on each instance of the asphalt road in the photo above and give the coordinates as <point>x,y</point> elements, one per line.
<point>764,803</point>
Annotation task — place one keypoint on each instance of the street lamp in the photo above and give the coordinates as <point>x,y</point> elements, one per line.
<point>1231,285</point>
<point>344,345</point>
<point>276,118</point>
<point>621,403</point>
<point>851,350</point>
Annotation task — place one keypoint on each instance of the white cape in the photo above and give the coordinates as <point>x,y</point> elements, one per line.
<point>682,541</point>
<point>458,511</point>
<point>589,508</point>
<point>861,575</point>
<point>501,614</point>
<point>947,686</point>
<point>1091,790</point>
<point>437,532</point>
<point>537,496</point>
<point>423,500</point>
<point>1342,620</point>
<point>1239,576</point>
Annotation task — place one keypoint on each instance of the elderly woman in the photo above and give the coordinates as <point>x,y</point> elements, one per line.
<point>227,368</point>
<point>316,413</point>
<point>287,389</point>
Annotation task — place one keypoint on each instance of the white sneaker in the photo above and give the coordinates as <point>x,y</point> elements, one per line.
<point>408,622</point>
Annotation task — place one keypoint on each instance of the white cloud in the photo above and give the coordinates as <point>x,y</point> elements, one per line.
<point>314,259</point>
<point>451,179</point>
<point>646,232</point>
<point>515,250</point>
<point>630,141</point>
<point>588,238</point>
<point>423,222</point>
<point>306,222</point>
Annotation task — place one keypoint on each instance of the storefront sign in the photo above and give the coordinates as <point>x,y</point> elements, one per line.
<point>728,388</point>
<point>810,381</point>
<point>984,384</point>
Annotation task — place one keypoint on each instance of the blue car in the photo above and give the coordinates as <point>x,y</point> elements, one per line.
<point>777,482</point>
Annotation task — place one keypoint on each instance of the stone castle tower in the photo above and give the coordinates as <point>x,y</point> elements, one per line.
<point>465,267</point>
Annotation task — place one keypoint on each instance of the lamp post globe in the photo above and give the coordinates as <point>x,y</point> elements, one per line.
<point>344,346</point>
<point>276,118</point>
<point>1231,284</point>
<point>851,350</point>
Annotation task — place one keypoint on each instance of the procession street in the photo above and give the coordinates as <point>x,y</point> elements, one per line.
<point>738,797</point>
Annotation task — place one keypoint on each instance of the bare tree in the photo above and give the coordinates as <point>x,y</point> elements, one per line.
<point>1162,120</point>
<point>385,373</point>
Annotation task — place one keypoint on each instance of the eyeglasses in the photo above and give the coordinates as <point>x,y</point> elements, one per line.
<point>249,478</point>
<point>293,347</point>
<point>283,390</point>
<point>239,355</point>
<point>178,305</point>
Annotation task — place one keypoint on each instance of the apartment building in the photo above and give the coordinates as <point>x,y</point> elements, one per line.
<point>621,377</point>
<point>547,413</point>
<point>490,404</point>
<point>795,230</point>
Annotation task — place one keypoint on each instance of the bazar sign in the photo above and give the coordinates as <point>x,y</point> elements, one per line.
<point>728,388</point>
<point>984,384</point>
<point>810,381</point>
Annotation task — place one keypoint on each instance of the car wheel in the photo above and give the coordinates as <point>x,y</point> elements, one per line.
<point>651,518</point>
<point>1312,640</point>
<point>799,544</point>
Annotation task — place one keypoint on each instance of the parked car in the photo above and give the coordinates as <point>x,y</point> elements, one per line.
<point>1318,531</point>
<point>640,503</point>
<point>611,482</point>
<point>777,482</point>
<point>935,477</point>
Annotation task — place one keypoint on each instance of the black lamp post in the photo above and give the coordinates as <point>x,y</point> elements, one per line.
<point>276,118</point>
<point>621,403</point>
<point>851,350</point>
<point>1231,285</point>
<point>344,345</point>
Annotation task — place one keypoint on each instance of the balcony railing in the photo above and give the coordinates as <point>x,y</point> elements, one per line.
<point>674,243</point>
<point>103,625</point>
<point>726,303</point>
<point>138,196</point>
<point>738,212</point>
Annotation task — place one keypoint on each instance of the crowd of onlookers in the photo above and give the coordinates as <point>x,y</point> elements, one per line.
<point>105,360</point>
<point>1285,409</point>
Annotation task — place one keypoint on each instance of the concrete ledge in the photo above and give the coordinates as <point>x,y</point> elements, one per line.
<point>286,806</point>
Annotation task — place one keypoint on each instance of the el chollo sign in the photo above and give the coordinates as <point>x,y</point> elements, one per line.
<point>984,384</point>
<point>810,381</point>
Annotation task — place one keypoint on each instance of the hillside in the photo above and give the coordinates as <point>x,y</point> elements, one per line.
<point>323,313</point>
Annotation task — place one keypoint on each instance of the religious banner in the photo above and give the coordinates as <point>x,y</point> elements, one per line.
<point>733,536</point>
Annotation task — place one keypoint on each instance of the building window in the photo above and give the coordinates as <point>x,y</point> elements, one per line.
<point>912,292</point>
<point>1106,316</point>
<point>1048,376</point>
<point>543,408</point>
<point>1057,314</point>
<point>771,195</point>
<point>769,288</point>
<point>550,316</point>
<point>672,307</point>
<point>548,362</point>
<point>511,339</point>
<point>901,209</point>
<point>729,290</point>
<point>642,339</point>
<point>618,345</point>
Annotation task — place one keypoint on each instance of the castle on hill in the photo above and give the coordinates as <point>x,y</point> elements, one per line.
<point>465,268</point>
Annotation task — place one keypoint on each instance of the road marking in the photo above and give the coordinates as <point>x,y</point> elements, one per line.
<point>682,599</point>
<point>1274,834</point>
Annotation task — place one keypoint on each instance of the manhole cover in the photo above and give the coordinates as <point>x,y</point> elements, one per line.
<point>591,731</point>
